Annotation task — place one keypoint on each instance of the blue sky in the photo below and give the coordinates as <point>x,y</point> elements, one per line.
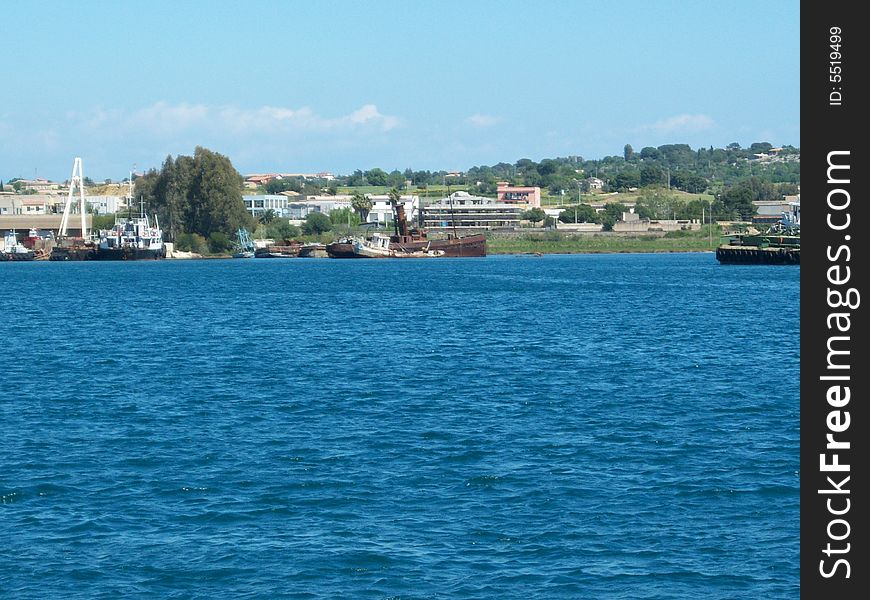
<point>338,86</point>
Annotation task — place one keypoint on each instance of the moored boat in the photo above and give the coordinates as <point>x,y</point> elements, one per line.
<point>407,242</point>
<point>15,250</point>
<point>246,246</point>
<point>131,239</point>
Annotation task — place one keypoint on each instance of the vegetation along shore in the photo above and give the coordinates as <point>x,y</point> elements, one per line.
<point>666,199</point>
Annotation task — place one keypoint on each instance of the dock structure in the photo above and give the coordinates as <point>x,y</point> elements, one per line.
<point>755,255</point>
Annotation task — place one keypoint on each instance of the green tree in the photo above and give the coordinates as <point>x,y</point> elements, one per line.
<point>627,152</point>
<point>611,215</point>
<point>316,223</point>
<point>219,242</point>
<point>377,177</point>
<point>281,230</point>
<point>362,205</point>
<point>626,179</point>
<point>533,215</point>
<point>582,213</point>
<point>344,216</point>
<point>651,175</point>
<point>268,216</point>
<point>215,196</point>
<point>191,242</point>
<point>169,193</point>
<point>276,186</point>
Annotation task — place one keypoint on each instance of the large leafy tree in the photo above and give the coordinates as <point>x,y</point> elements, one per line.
<point>171,194</point>
<point>377,177</point>
<point>215,195</point>
<point>534,215</point>
<point>316,223</point>
<point>582,213</point>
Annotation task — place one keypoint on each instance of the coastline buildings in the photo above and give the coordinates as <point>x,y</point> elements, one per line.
<point>257,205</point>
<point>512,194</point>
<point>463,211</point>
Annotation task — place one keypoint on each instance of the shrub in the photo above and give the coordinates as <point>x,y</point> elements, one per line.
<point>191,242</point>
<point>219,242</point>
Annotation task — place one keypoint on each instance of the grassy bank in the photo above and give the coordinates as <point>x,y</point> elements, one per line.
<point>558,243</point>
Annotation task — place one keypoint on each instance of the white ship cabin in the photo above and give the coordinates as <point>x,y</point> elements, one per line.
<point>132,233</point>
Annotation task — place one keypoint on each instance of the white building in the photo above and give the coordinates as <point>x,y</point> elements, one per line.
<point>382,210</point>
<point>464,211</point>
<point>259,204</point>
<point>595,183</point>
<point>105,205</point>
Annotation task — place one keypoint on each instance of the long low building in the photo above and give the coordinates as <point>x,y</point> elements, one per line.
<point>24,223</point>
<point>464,211</point>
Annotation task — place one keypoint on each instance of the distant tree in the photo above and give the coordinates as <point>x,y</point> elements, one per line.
<point>377,177</point>
<point>627,152</point>
<point>627,179</point>
<point>533,215</point>
<point>215,196</point>
<point>276,186</point>
<point>362,205</point>
<point>1,186</point>
<point>736,202</point>
<point>760,147</point>
<point>219,242</point>
<point>688,182</point>
<point>357,179</point>
<point>344,216</point>
<point>611,215</point>
<point>396,179</point>
<point>268,216</point>
<point>281,230</point>
<point>582,213</point>
<point>654,203</point>
<point>650,153</point>
<point>651,175</point>
<point>316,223</point>
<point>547,167</point>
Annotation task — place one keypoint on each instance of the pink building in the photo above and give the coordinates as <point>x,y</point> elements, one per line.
<point>519,195</point>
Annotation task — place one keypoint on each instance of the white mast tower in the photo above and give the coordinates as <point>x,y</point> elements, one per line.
<point>75,179</point>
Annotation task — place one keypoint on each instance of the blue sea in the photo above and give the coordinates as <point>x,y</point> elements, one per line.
<point>587,426</point>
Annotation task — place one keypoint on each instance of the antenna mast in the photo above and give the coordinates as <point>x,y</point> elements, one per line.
<point>75,179</point>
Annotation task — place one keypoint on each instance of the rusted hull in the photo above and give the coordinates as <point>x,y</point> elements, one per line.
<point>468,246</point>
<point>73,253</point>
<point>277,252</point>
<point>342,250</point>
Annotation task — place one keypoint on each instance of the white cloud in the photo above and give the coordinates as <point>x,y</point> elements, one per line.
<point>684,123</point>
<point>480,120</point>
<point>165,118</point>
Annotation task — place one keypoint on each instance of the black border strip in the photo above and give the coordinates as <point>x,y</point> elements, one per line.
<point>834,243</point>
